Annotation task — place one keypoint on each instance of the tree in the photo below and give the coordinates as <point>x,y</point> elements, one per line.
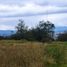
<point>21,30</point>
<point>44,31</point>
<point>21,27</point>
<point>62,36</point>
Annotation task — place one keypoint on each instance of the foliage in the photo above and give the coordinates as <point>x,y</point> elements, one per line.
<point>56,55</point>
<point>21,30</point>
<point>44,31</point>
<point>62,36</point>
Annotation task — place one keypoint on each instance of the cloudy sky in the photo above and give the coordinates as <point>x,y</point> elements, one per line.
<point>32,11</point>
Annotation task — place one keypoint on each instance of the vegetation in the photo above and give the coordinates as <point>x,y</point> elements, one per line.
<point>34,47</point>
<point>62,36</point>
<point>17,53</point>
<point>43,32</point>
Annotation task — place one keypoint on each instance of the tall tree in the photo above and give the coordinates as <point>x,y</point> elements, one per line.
<point>21,27</point>
<point>44,31</point>
<point>21,30</point>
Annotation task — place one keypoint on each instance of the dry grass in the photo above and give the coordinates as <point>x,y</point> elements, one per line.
<point>21,55</point>
<point>31,54</point>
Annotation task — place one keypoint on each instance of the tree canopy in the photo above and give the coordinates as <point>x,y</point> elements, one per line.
<point>44,31</point>
<point>62,36</point>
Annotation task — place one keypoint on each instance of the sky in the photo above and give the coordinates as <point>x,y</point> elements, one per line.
<point>32,11</point>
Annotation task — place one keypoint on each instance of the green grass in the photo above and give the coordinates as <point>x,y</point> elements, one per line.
<point>19,53</point>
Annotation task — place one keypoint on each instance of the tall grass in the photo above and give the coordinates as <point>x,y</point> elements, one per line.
<point>32,54</point>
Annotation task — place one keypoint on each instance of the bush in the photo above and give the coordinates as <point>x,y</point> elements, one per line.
<point>55,55</point>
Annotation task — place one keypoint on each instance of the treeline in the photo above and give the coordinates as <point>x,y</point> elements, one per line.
<point>43,32</point>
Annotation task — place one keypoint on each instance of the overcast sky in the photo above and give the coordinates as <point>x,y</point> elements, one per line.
<point>32,11</point>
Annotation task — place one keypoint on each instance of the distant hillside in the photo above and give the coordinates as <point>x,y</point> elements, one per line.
<point>9,32</point>
<point>6,32</point>
<point>60,29</point>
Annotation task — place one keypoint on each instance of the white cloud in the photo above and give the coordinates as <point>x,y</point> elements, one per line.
<point>58,19</point>
<point>31,21</point>
<point>29,9</point>
<point>40,2</point>
<point>6,27</point>
<point>32,11</point>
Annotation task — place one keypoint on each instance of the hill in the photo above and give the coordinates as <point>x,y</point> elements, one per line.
<point>6,32</point>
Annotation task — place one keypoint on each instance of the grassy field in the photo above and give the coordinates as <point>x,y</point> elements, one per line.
<point>32,54</point>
